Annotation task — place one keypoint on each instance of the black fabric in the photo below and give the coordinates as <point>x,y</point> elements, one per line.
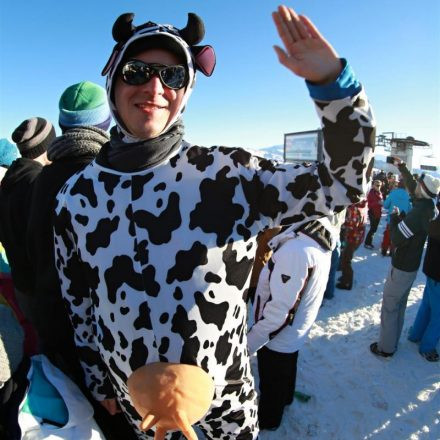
<point>408,252</point>
<point>317,232</point>
<point>49,315</point>
<point>277,373</point>
<point>11,396</point>
<point>137,156</point>
<point>71,152</point>
<point>431,266</point>
<point>15,196</point>
<point>345,264</point>
<point>374,223</point>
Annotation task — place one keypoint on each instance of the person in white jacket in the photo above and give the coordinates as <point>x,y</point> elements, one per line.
<point>287,301</point>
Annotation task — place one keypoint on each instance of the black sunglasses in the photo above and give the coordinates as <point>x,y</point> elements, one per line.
<point>136,72</point>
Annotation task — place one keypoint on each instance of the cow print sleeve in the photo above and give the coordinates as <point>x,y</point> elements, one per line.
<point>78,281</point>
<point>293,193</point>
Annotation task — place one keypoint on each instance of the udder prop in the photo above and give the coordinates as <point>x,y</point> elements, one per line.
<point>170,397</point>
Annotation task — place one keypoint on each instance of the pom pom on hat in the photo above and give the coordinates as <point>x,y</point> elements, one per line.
<point>8,153</point>
<point>84,103</point>
<point>429,185</point>
<point>33,136</point>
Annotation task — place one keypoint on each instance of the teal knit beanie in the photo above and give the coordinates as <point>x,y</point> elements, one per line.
<point>8,153</point>
<point>84,103</point>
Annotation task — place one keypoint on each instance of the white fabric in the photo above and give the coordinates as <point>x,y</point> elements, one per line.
<point>80,426</point>
<point>274,297</point>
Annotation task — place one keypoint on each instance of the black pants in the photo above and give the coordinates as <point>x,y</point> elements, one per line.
<point>374,223</point>
<point>277,372</point>
<point>11,396</point>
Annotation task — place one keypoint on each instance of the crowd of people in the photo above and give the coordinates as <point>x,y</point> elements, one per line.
<point>134,248</point>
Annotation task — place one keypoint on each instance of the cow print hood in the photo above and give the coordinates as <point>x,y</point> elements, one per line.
<point>183,42</point>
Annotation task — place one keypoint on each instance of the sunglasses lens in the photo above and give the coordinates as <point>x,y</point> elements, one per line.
<point>173,77</point>
<point>135,73</point>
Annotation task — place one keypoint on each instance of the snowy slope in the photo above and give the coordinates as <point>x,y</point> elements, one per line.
<point>356,395</point>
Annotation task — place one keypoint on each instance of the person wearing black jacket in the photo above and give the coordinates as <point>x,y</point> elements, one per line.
<point>426,327</point>
<point>84,119</point>
<point>408,236</point>
<point>32,137</point>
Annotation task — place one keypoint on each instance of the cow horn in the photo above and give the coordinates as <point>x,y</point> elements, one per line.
<point>194,31</point>
<point>123,28</point>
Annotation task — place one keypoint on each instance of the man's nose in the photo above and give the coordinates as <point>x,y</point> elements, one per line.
<point>154,85</point>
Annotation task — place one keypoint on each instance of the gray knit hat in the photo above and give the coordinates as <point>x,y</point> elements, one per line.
<point>11,344</point>
<point>33,136</point>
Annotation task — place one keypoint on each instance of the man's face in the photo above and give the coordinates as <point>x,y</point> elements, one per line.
<point>146,109</point>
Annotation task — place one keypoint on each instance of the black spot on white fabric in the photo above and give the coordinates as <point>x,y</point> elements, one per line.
<point>82,219</point>
<point>138,182</point>
<point>186,327</point>
<point>244,232</point>
<point>211,313</point>
<point>122,340</point>
<point>178,295</point>
<point>303,184</point>
<point>223,349</point>
<point>105,336</point>
<point>187,262</point>
<point>202,158</point>
<point>212,278</point>
<point>270,205</point>
<point>121,272</point>
<point>216,212</point>
<point>84,187</point>
<point>141,252</point>
<point>237,272</point>
<point>162,226</point>
<point>252,189</point>
<point>151,286</point>
<point>110,181</point>
<point>101,236</point>
<point>110,206</point>
<point>139,354</point>
<point>160,187</point>
<point>143,320</point>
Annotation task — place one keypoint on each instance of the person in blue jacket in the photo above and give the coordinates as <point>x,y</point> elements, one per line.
<point>399,198</point>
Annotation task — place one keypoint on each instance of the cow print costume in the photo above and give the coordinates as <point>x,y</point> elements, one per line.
<point>154,263</point>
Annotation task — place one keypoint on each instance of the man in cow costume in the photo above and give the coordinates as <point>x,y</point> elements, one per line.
<point>155,239</point>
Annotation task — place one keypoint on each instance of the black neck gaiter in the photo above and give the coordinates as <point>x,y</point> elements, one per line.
<point>137,156</point>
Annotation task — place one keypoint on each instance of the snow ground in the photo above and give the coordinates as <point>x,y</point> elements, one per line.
<point>355,395</point>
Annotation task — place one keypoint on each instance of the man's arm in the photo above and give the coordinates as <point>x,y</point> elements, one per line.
<point>293,193</point>
<point>408,179</point>
<point>76,279</point>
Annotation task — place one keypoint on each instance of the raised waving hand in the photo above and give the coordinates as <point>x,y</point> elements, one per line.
<point>306,52</point>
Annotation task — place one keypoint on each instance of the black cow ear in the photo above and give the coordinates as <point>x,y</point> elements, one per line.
<point>123,28</point>
<point>194,31</point>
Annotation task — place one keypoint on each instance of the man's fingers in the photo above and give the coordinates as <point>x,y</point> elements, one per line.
<point>148,421</point>
<point>290,19</point>
<point>300,29</point>
<point>283,30</point>
<point>310,27</point>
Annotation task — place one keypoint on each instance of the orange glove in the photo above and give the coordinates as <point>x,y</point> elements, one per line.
<point>170,397</point>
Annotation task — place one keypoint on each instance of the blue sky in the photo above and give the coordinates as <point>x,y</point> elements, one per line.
<point>251,100</point>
